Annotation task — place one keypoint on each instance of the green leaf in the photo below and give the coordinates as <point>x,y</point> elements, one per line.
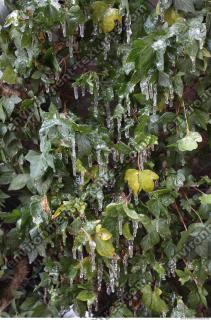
<point>126,231</point>
<point>152,300</point>
<point>104,248</point>
<point>9,76</point>
<point>86,296</point>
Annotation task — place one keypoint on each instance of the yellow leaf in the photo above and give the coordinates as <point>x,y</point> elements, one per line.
<point>132,178</point>
<point>171,16</point>
<point>138,180</point>
<point>110,17</point>
<point>147,178</point>
<point>58,211</point>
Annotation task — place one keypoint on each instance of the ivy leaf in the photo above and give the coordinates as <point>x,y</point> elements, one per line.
<point>110,17</point>
<point>19,182</point>
<point>103,233</point>
<point>126,231</point>
<point>152,300</point>
<point>132,177</point>
<point>138,180</point>
<point>205,199</point>
<point>147,179</point>
<point>104,248</point>
<point>98,9</point>
<point>9,76</point>
<point>189,142</point>
<point>86,296</point>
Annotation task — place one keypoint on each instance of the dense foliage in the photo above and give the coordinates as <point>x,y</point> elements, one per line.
<point>105,158</point>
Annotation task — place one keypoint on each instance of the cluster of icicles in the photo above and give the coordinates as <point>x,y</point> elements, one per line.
<point>113,267</point>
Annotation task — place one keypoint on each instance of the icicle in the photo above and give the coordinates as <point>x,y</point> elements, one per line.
<point>130,248</point>
<point>100,198</point>
<point>70,46</point>
<point>80,257</point>
<point>90,160</point>
<point>135,228</point>
<point>114,155</point>
<point>128,102</point>
<point>50,36</point>
<point>106,46</point>
<point>157,225</point>
<point>47,89</point>
<point>81,30</point>
<point>128,28</point>
<point>64,29</point>
<point>95,30</point>
<point>96,97</point>
<point>108,289</point>
<point>119,122</point>
<point>125,263</point>
<point>160,47</point>
<point>127,133</point>
<point>75,88</point>
<point>83,91</point>
<point>82,179</point>
<point>120,222</point>
<point>92,246</point>
<point>144,85</point>
<point>155,93</point>
<point>172,267</point>
<point>99,276</point>
<point>121,158</point>
<point>73,155</point>
<point>108,115</point>
<point>171,96</point>
<point>74,253</point>
<point>136,199</point>
<point>193,60</point>
<point>90,314</point>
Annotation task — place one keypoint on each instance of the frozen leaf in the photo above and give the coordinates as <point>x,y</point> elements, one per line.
<point>184,5</point>
<point>189,142</point>
<point>19,182</point>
